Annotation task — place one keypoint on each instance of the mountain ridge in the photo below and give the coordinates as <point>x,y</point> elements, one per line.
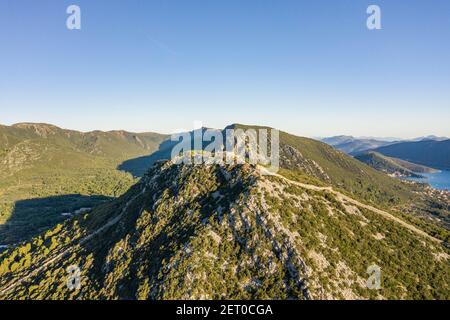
<point>357,145</point>
<point>392,166</point>
<point>226,232</point>
<point>180,231</point>
<point>435,154</point>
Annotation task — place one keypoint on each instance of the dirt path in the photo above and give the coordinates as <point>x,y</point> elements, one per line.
<point>341,197</point>
<point>68,250</point>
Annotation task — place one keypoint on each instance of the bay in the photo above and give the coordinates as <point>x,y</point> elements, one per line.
<point>439,180</point>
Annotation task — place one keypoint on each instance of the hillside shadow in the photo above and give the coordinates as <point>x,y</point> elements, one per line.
<point>139,166</point>
<point>33,216</point>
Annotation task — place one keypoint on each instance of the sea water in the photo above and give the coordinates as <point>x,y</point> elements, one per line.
<point>439,180</point>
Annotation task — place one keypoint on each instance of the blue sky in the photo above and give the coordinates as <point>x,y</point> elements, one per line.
<point>308,67</point>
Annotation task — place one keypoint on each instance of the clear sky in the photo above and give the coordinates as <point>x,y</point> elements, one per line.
<point>308,67</point>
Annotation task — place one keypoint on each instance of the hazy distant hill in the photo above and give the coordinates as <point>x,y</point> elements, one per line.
<point>354,146</point>
<point>435,154</point>
<point>351,145</point>
<point>430,137</point>
<point>336,140</point>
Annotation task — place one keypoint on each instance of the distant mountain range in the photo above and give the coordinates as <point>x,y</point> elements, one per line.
<point>351,145</point>
<point>430,151</point>
<point>435,154</point>
<point>342,139</point>
<point>431,137</point>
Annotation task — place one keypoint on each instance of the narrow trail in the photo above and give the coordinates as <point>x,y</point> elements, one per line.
<point>343,197</point>
<point>68,250</point>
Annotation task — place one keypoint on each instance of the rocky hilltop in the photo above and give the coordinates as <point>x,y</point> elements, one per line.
<point>228,232</point>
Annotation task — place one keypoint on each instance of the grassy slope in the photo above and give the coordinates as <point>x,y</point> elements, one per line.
<point>241,237</point>
<point>414,167</point>
<point>40,161</point>
<point>384,164</point>
<point>347,173</point>
<point>361,181</point>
